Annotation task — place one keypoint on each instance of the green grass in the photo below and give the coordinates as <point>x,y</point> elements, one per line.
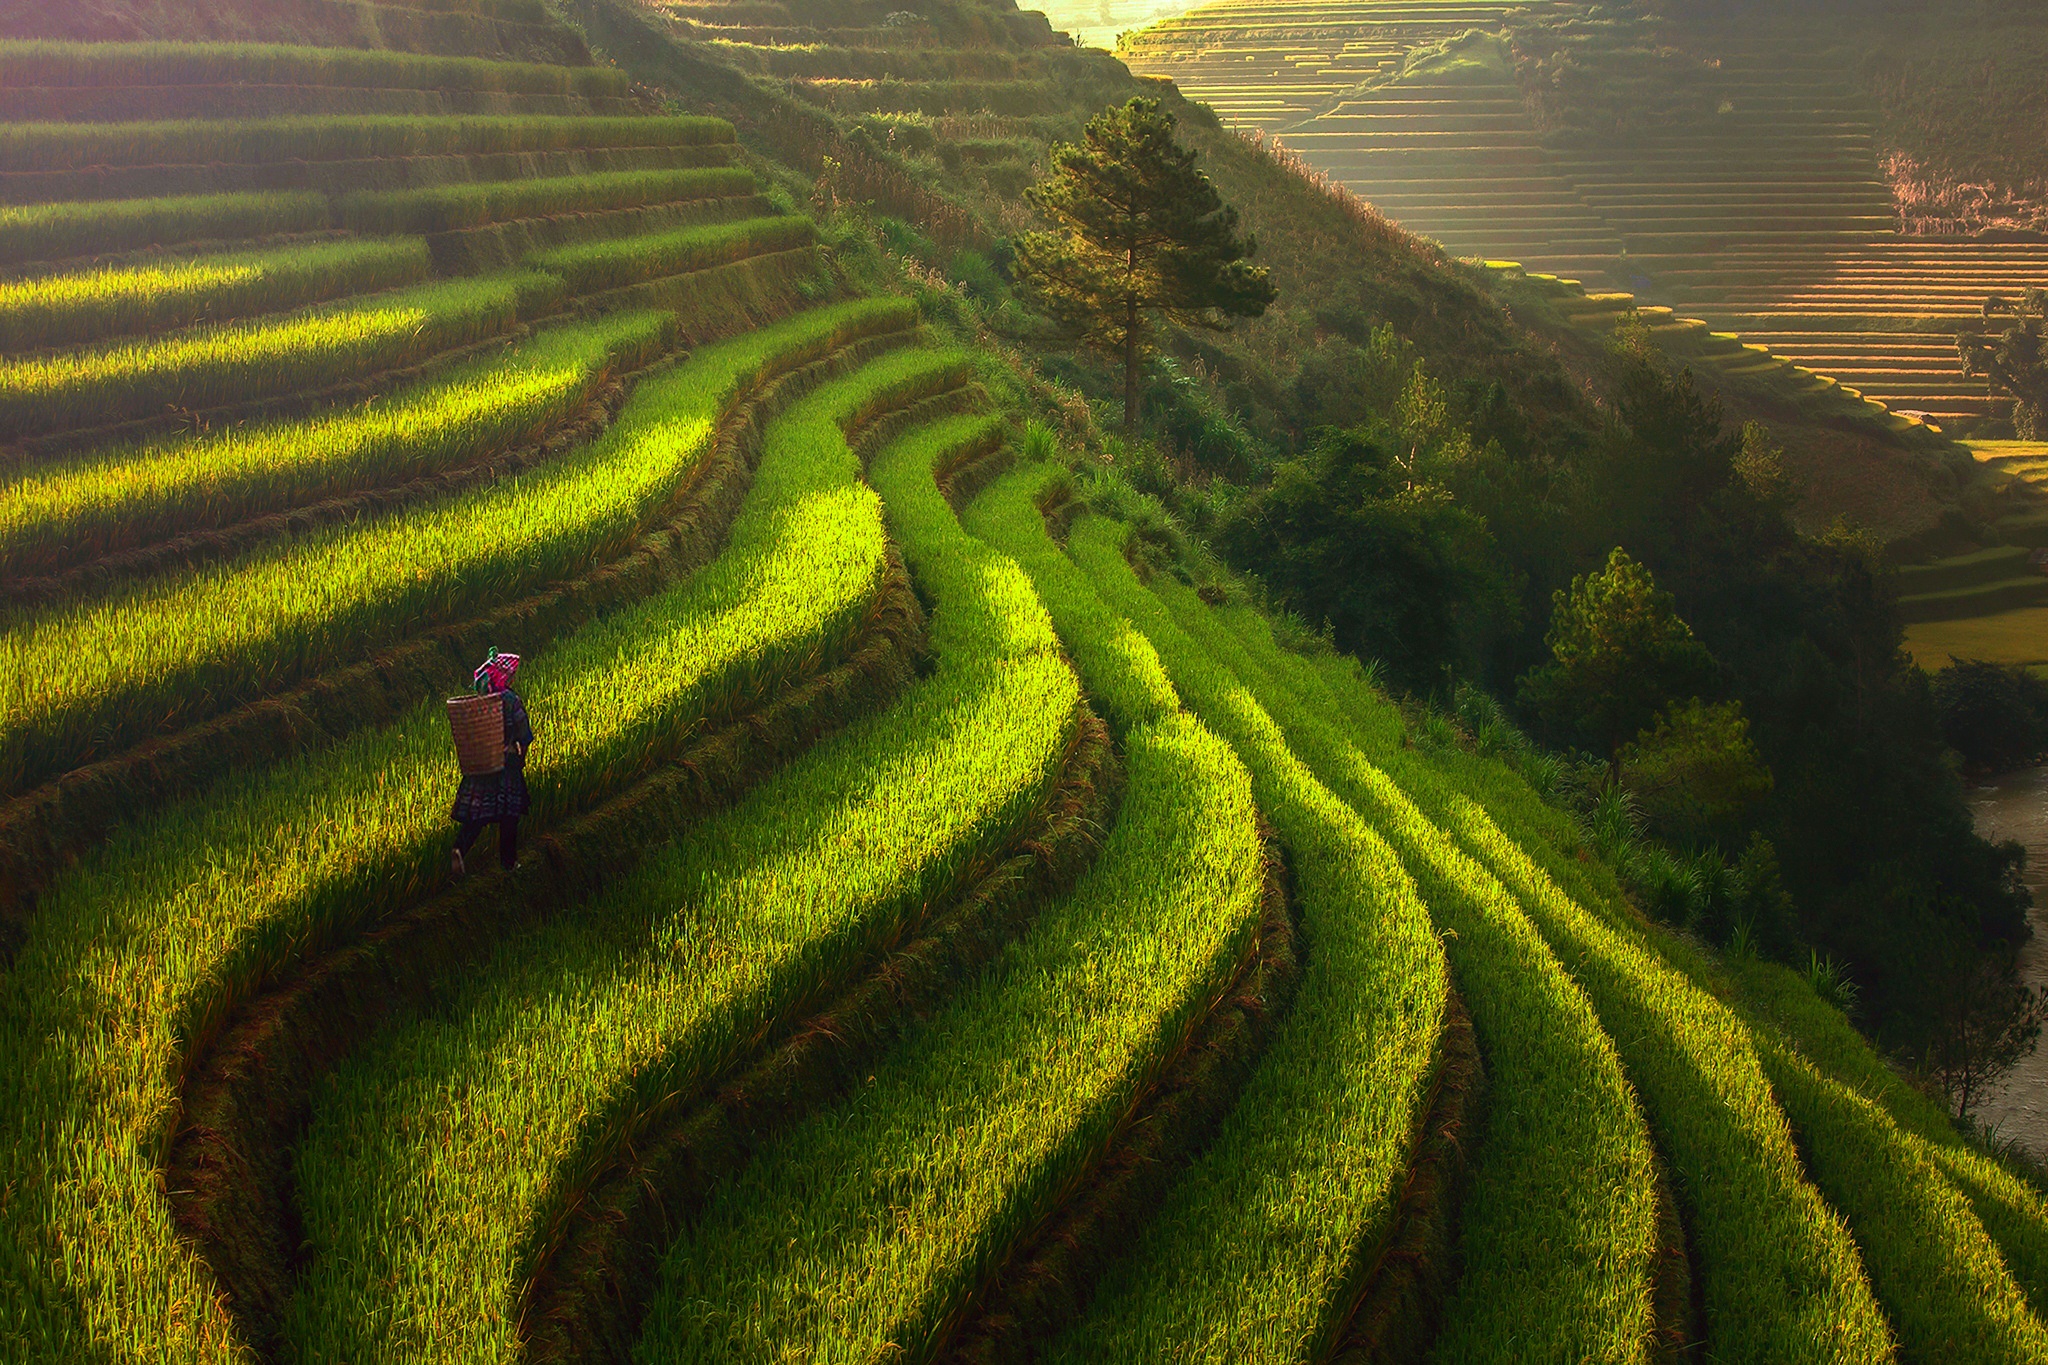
<point>874,1222</point>
<point>1118,664</point>
<point>41,232</point>
<point>149,943</point>
<point>118,64</point>
<point>1781,1001</point>
<point>82,146</point>
<point>83,677</point>
<point>1558,1234</point>
<point>666,980</point>
<point>589,267</point>
<point>60,513</point>
<point>451,208</point>
<point>64,310</point>
<point>1575,1148</point>
<point>2015,636</point>
<point>1781,1275</point>
<point>1257,1247</point>
<point>1936,1270</point>
<point>264,357</point>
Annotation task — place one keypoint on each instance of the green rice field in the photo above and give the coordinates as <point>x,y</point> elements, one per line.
<point>939,932</point>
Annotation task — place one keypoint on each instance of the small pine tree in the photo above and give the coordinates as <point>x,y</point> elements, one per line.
<point>1619,655</point>
<point>1137,234</point>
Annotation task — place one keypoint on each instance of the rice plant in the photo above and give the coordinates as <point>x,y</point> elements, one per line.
<point>662,982</point>
<point>589,267</point>
<point>2013,1211</point>
<point>163,652</point>
<point>1118,664</point>
<point>45,232</point>
<point>1934,1267</point>
<point>870,1226</point>
<point>262,358</point>
<point>1581,1152</point>
<point>146,944</point>
<point>65,512</point>
<point>1558,1235</point>
<point>1272,1226</point>
<point>43,63</point>
<point>63,310</point>
<point>1781,1275</point>
<point>81,146</point>
<point>451,208</point>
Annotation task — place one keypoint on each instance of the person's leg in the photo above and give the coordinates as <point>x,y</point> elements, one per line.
<point>465,839</point>
<point>508,842</point>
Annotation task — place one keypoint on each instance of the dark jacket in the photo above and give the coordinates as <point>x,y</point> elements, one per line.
<point>500,795</point>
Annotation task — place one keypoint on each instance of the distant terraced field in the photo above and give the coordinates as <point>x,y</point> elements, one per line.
<point>1763,212</point>
<point>1992,603</point>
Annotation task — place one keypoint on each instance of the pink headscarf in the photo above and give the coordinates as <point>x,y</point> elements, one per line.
<point>495,673</point>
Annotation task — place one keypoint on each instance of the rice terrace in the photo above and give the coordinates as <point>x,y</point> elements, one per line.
<point>909,680</point>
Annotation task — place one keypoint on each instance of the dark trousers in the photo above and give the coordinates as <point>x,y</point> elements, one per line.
<point>508,838</point>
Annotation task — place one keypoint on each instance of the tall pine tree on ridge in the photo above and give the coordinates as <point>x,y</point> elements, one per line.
<point>1137,231</point>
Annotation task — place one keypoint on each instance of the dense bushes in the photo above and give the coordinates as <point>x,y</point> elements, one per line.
<point>1994,715</point>
<point>1842,766</point>
<point>1397,568</point>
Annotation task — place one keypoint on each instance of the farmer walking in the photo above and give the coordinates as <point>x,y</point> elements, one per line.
<point>497,798</point>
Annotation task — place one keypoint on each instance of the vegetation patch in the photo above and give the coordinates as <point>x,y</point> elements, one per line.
<point>40,830</point>
<point>876,1222</point>
<point>984,1158</point>
<point>452,208</point>
<point>150,953</point>
<point>1564,1134</point>
<point>263,358</point>
<point>1759,1227</point>
<point>592,266</point>
<point>117,64</point>
<point>246,1099</point>
<point>63,513</point>
<point>44,147</point>
<point>666,983</point>
<point>192,641</point>
<point>1325,1125</point>
<point>1935,1269</point>
<point>42,232</point>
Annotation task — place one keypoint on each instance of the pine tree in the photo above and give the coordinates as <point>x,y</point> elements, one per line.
<point>1137,234</point>
<point>1619,654</point>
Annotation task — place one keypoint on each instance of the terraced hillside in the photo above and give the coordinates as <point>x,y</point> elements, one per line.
<point>1734,175</point>
<point>1990,603</point>
<point>936,934</point>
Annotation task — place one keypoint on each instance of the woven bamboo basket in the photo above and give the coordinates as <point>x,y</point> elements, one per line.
<point>479,726</point>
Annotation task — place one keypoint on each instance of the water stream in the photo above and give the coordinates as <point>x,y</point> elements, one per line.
<point>2016,807</point>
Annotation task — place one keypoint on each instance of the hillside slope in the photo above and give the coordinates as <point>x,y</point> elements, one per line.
<point>935,931</point>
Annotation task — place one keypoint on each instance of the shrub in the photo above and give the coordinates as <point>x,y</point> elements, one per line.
<point>1994,715</point>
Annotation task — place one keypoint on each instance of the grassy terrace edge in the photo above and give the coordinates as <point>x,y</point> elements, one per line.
<point>665,1037</point>
<point>308,906</point>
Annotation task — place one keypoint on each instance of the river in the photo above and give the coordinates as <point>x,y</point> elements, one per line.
<point>2016,807</point>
